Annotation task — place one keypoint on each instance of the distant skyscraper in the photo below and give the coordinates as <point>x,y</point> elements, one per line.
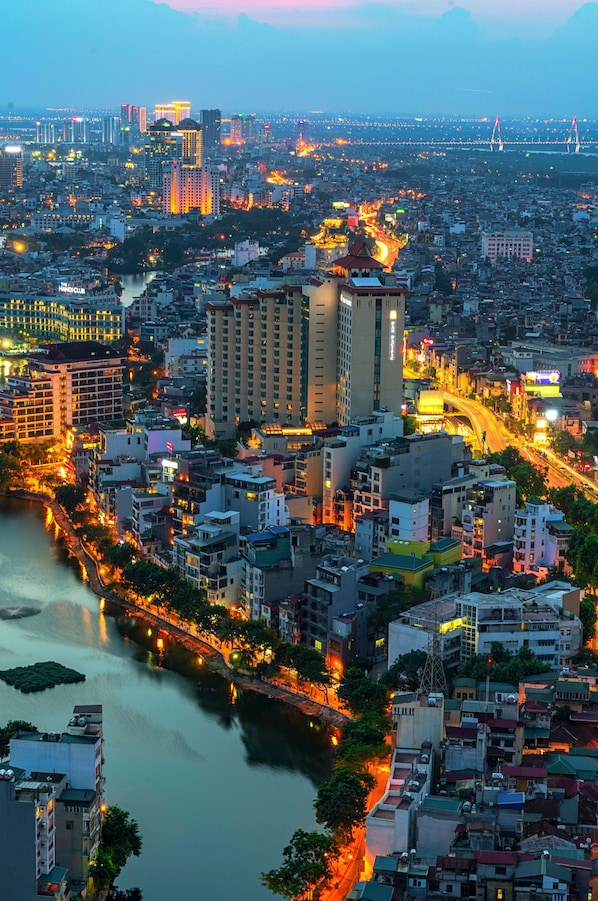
<point>211,124</point>
<point>191,142</point>
<point>210,191</point>
<point>76,130</point>
<point>242,128</point>
<point>11,167</point>
<point>162,145</point>
<point>302,131</point>
<point>133,115</point>
<point>45,133</point>
<point>111,130</point>
<point>173,111</point>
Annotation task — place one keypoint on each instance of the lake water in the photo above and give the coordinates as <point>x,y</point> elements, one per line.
<point>218,781</point>
<point>133,285</point>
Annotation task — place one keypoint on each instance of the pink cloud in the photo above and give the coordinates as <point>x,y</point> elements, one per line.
<point>508,14</point>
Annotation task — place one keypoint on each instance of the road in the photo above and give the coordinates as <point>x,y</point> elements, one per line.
<point>351,863</point>
<point>559,474</point>
<point>387,246</point>
<point>491,434</point>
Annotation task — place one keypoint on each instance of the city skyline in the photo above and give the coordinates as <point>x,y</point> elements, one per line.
<point>460,61</point>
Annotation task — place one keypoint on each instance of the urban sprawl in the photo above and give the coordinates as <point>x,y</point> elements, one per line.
<point>349,408</point>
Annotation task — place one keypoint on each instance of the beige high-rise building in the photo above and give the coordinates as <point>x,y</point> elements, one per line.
<point>321,306</point>
<point>328,351</point>
<point>371,319</point>
<point>254,360</point>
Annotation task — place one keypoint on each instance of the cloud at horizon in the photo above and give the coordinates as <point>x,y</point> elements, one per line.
<point>380,57</point>
<point>507,15</point>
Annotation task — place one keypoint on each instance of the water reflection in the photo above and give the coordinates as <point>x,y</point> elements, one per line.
<point>193,766</point>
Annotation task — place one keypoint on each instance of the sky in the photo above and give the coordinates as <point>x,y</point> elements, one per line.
<point>394,57</point>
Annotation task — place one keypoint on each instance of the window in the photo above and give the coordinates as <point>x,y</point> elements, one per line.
<point>499,894</point>
<point>69,825</point>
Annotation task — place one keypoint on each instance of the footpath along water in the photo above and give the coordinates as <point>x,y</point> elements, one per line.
<point>217,778</point>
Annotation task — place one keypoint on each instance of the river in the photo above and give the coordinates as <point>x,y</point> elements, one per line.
<point>217,780</point>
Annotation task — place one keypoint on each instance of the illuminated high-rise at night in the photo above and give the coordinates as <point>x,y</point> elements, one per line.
<point>242,128</point>
<point>45,132</point>
<point>173,111</point>
<point>191,142</point>
<point>187,188</point>
<point>111,130</point>
<point>75,130</point>
<point>302,131</point>
<point>11,167</point>
<point>162,145</point>
<point>133,115</point>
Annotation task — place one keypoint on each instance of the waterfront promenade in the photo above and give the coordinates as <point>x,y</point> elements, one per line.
<point>183,633</point>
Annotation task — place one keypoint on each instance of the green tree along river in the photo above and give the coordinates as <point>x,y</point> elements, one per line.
<point>218,781</point>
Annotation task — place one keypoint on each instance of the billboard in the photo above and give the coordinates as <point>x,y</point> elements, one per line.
<point>544,377</point>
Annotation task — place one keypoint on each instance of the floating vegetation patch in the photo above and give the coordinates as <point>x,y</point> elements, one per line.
<point>18,612</point>
<point>40,676</point>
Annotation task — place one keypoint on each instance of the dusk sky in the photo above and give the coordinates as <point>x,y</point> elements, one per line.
<point>486,58</point>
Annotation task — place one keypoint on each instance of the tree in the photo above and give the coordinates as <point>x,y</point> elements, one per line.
<point>103,868</point>
<point>589,442</point>
<point>531,481</point>
<point>360,694</point>
<point>409,425</point>
<point>120,555</point>
<point>502,665</point>
<point>130,894</point>
<point>11,728</point>
<point>120,836</point>
<point>10,468</point>
<point>588,617</point>
<point>562,442</point>
<point>583,557</point>
<point>70,497</point>
<point>341,804</point>
<point>363,740</point>
<point>405,672</point>
<point>307,867</point>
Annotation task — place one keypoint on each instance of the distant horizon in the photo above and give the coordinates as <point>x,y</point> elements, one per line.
<point>323,114</point>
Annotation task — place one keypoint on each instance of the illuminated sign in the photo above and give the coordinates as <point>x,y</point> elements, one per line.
<point>169,447</point>
<point>12,148</point>
<point>544,377</point>
<point>65,288</point>
<point>392,336</point>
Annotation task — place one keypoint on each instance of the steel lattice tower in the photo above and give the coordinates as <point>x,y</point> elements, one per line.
<point>433,678</point>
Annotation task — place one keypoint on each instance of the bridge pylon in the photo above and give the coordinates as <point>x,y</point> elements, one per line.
<point>573,136</point>
<point>496,141</point>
